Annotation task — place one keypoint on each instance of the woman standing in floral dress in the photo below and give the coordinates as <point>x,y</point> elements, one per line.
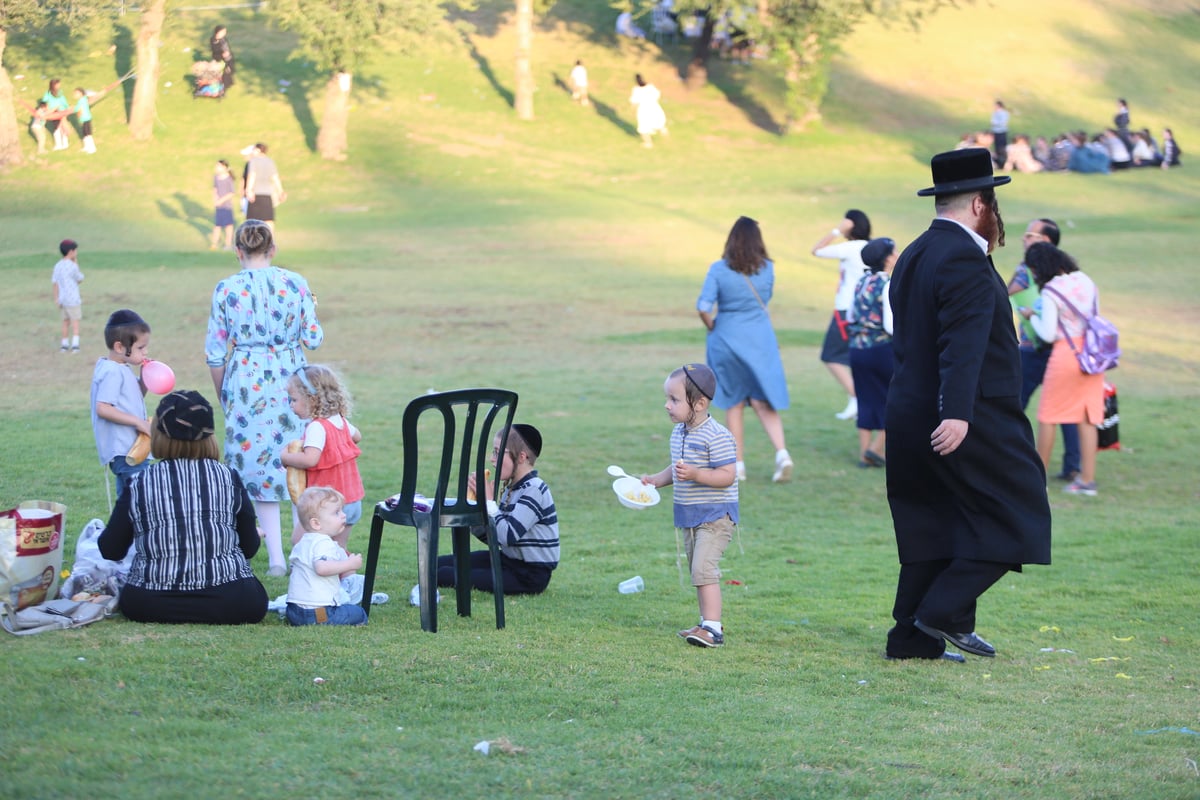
<point>261,317</point>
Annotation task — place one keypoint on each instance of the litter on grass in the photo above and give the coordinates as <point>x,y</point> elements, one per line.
<point>1184,730</point>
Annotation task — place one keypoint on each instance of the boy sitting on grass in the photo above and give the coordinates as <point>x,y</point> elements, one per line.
<point>319,563</point>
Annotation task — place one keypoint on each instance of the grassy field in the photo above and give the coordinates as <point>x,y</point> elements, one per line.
<point>457,247</point>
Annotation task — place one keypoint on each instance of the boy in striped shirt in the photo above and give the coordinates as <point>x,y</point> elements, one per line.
<point>703,471</point>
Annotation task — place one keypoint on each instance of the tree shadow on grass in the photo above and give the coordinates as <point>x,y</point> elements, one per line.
<point>485,67</point>
<point>734,88</point>
<point>604,110</point>
<point>181,207</point>
<point>123,63</point>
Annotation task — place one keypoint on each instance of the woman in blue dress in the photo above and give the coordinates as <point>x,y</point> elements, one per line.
<point>742,349</point>
<point>261,317</point>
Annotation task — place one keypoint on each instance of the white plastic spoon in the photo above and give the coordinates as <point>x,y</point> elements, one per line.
<point>617,472</point>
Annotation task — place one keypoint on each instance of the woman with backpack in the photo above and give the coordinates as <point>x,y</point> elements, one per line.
<point>1068,393</point>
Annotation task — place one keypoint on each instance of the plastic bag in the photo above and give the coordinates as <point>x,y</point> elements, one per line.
<point>93,573</point>
<point>31,552</point>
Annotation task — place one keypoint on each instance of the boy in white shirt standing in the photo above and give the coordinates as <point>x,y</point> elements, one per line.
<point>66,279</point>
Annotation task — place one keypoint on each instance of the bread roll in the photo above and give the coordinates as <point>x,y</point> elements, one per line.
<point>141,448</point>
<point>297,478</point>
<point>487,475</point>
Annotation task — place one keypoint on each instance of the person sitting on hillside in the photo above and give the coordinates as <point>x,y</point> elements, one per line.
<point>1118,153</point>
<point>1088,157</point>
<point>1144,153</point>
<point>1060,152</point>
<point>967,140</point>
<point>625,26</point>
<point>1020,156</point>
<point>1041,151</point>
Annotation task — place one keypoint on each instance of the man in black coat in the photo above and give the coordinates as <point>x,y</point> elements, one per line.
<point>965,484</point>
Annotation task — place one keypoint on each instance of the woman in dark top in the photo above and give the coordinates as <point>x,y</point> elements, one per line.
<point>222,53</point>
<point>191,524</point>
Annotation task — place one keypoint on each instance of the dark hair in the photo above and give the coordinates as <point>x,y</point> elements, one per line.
<point>744,248</point>
<point>81,90</point>
<point>262,148</point>
<point>124,326</point>
<point>1045,262</point>
<point>640,80</point>
<point>223,163</point>
<point>862,225</point>
<point>217,30</point>
<point>55,83</point>
<point>1050,230</point>
<point>254,237</point>
<point>692,392</point>
<point>67,245</point>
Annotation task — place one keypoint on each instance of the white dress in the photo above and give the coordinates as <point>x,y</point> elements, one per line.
<point>651,118</point>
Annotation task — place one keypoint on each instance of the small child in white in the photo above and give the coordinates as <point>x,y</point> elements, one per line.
<point>318,564</point>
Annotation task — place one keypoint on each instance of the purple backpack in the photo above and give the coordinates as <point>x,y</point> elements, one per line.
<point>1101,351</point>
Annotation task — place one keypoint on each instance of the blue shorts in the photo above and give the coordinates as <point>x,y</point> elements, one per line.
<point>125,471</point>
<point>223,217</point>
<point>353,512</point>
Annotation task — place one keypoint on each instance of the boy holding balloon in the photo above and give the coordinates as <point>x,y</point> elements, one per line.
<point>118,395</point>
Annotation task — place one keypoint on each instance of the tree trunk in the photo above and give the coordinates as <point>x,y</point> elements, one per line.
<point>524,82</point>
<point>145,89</point>
<point>697,68</point>
<point>10,129</point>
<point>332,139</point>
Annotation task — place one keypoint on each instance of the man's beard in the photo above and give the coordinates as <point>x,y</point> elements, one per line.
<point>991,225</point>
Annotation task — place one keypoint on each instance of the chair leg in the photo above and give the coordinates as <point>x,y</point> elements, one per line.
<point>461,538</point>
<point>497,578</point>
<point>372,562</point>
<point>427,542</point>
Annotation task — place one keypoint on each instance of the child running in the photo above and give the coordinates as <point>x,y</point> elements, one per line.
<point>319,563</point>
<point>66,278</point>
<point>118,396</point>
<point>702,468</point>
<point>330,450</point>
<point>525,517</point>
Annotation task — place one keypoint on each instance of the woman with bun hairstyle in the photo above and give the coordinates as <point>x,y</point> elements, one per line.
<point>855,229</point>
<point>191,525</point>
<point>870,322</point>
<point>263,318</point>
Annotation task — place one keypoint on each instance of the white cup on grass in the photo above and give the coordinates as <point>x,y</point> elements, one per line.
<point>632,585</point>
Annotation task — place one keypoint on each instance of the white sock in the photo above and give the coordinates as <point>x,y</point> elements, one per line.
<point>712,625</point>
<point>74,341</point>
<point>65,343</point>
<point>268,521</point>
<point>782,455</point>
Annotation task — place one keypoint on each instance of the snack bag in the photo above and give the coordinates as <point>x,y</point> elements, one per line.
<point>31,553</point>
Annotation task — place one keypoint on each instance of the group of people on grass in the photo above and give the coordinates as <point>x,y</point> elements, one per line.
<point>51,118</point>
<point>1114,148</point>
<point>196,516</point>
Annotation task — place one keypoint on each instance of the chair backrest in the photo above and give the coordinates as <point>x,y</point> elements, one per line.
<point>470,419</point>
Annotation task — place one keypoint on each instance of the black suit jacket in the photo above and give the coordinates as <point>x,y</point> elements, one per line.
<point>956,358</point>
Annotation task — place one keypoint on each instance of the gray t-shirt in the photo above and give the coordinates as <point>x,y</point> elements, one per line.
<point>262,171</point>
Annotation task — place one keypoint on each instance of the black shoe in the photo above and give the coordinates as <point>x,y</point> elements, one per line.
<point>1067,475</point>
<point>957,658</point>
<point>967,642</point>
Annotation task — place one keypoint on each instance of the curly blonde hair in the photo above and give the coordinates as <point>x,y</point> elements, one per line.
<point>327,395</point>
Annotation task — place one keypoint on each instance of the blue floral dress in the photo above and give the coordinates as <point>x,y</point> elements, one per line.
<point>260,318</point>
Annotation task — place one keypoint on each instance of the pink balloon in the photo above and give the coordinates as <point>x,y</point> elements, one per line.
<point>158,377</point>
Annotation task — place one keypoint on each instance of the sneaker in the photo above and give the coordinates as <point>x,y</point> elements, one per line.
<point>63,349</point>
<point>1080,487</point>
<point>850,411</point>
<point>705,637</point>
<point>686,633</point>
<point>74,348</point>
<point>783,467</point>
<point>379,598</point>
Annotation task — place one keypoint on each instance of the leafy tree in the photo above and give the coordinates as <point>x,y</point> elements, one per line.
<point>29,15</point>
<point>799,35</point>
<point>338,36</point>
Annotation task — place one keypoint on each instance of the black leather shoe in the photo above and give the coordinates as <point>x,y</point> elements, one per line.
<point>967,642</point>
<point>957,658</point>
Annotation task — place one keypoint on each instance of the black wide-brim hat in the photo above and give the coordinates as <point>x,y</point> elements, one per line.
<point>959,171</point>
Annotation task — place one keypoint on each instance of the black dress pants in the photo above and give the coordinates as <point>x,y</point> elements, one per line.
<point>942,594</point>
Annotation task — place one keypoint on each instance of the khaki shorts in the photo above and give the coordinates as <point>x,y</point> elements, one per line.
<point>704,546</point>
<point>73,313</point>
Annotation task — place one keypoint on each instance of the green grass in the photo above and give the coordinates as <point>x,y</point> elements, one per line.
<point>460,247</point>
